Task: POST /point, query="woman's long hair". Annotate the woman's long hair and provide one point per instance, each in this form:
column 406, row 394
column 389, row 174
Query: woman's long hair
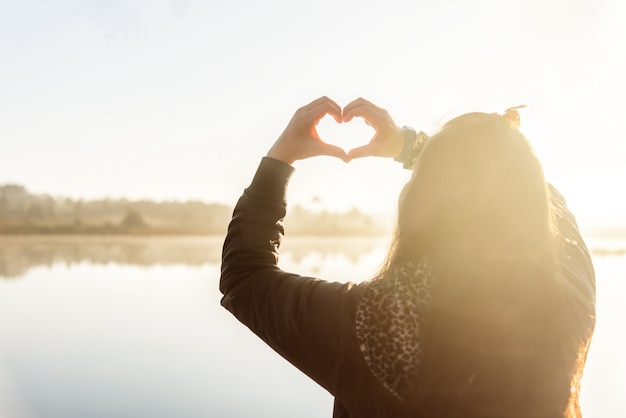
column 503, row 336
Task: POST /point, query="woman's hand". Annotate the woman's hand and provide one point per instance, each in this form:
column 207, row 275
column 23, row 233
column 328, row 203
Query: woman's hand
column 388, row 140
column 300, row 140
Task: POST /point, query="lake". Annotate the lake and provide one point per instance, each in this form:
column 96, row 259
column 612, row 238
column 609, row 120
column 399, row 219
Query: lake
column 132, row 327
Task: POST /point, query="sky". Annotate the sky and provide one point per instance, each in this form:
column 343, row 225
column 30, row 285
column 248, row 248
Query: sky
column 179, row 99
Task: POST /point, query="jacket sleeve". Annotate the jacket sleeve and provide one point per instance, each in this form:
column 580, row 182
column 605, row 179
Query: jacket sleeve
column 299, row 317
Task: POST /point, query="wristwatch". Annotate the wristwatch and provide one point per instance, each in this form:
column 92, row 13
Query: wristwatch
column 413, row 144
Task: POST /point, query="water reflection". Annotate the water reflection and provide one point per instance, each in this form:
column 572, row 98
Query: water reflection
column 134, row 328
column 18, row 254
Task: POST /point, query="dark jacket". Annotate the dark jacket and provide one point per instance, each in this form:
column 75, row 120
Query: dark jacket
column 311, row 322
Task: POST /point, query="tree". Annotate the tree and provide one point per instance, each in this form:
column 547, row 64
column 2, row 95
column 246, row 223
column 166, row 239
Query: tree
column 132, row 219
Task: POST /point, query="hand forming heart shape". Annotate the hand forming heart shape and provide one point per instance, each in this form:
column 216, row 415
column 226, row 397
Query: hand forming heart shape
column 301, row 139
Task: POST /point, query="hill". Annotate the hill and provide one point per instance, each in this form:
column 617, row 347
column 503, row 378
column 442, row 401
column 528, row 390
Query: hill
column 24, row 213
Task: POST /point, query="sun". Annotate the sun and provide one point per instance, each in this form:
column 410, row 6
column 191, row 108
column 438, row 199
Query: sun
column 581, row 167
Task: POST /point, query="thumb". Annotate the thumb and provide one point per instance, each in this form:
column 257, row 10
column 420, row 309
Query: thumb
column 362, row 151
column 333, row 151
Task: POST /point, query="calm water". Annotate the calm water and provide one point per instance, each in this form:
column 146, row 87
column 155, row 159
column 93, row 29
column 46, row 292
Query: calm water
column 133, row 328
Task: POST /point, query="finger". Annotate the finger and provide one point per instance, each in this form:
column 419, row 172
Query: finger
column 372, row 115
column 322, row 109
column 359, row 102
column 316, row 102
column 362, row 151
column 346, row 117
column 332, row 151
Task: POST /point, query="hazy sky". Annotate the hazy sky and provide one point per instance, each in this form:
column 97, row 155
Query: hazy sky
column 179, row 99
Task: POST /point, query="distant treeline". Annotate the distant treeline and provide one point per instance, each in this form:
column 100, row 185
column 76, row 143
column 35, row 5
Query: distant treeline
column 25, row 213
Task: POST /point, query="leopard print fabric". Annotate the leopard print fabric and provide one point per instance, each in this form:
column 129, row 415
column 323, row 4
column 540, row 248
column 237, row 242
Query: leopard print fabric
column 388, row 324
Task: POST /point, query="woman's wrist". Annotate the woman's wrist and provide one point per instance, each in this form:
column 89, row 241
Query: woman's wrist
column 397, row 143
column 278, row 154
column 412, row 145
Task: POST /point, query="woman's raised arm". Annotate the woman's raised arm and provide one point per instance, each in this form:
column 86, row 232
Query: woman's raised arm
column 299, row 317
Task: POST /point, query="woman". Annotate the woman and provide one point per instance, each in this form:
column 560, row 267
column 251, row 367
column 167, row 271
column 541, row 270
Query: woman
column 485, row 306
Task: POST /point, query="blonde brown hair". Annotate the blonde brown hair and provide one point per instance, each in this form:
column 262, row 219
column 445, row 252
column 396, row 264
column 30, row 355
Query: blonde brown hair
column 504, row 335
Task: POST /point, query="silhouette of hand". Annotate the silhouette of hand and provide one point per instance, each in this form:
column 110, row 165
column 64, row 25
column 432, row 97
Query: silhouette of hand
column 300, row 139
column 388, row 139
